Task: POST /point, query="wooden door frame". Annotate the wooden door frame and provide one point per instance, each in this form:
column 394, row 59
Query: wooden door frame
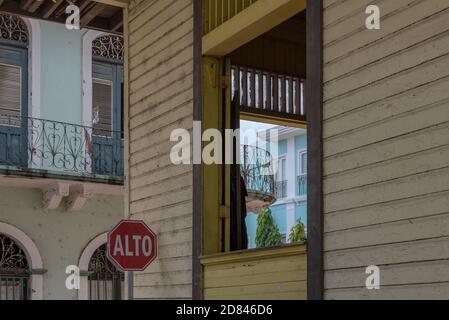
column 314, row 103
column 197, row 220
column 314, row 111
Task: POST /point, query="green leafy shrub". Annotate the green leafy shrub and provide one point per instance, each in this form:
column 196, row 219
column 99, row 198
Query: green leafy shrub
column 298, row 233
column 267, row 232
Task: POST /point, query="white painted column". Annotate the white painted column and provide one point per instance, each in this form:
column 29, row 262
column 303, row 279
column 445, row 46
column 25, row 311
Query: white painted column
column 291, row 184
column 291, row 164
column 88, row 37
column 87, row 89
column 34, row 86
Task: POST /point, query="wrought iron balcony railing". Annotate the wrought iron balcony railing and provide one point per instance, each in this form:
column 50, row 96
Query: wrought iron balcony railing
column 301, row 185
column 256, row 170
column 30, row 143
column 257, row 173
column 281, row 189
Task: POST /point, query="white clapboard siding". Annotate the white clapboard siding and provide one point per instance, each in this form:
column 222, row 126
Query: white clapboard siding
column 386, row 149
column 161, row 100
column 400, row 40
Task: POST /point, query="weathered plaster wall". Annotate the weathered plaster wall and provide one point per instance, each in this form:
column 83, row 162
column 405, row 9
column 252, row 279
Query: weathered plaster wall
column 59, row 235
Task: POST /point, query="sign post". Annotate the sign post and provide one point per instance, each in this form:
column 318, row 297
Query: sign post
column 132, row 245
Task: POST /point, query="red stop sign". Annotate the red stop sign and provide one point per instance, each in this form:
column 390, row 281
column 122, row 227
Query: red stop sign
column 132, row 246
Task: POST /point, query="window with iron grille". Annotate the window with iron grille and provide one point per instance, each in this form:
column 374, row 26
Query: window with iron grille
column 106, row 282
column 14, row 270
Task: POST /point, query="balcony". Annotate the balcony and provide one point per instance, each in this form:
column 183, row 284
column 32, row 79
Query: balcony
column 256, row 170
column 301, row 185
column 38, row 147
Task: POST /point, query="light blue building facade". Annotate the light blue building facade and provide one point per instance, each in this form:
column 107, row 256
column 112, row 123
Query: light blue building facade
column 61, row 158
column 291, row 184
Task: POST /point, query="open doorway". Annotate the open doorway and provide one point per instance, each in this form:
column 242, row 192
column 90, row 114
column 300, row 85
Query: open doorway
column 267, row 90
column 264, row 82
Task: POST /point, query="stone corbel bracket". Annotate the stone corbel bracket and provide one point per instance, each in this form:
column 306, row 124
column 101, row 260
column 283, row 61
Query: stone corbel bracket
column 78, row 196
column 53, row 194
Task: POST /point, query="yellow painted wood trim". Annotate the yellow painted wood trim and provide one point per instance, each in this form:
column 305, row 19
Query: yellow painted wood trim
column 254, row 254
column 280, row 121
column 250, row 23
column 117, row 3
column 211, row 174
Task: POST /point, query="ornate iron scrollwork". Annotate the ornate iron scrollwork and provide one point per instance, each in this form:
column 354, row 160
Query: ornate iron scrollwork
column 62, row 147
column 13, row 28
column 100, row 264
column 58, row 145
column 256, row 169
column 109, row 47
column 105, row 280
column 12, row 258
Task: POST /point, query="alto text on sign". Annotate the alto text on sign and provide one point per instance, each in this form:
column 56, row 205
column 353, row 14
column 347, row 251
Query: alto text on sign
column 132, row 245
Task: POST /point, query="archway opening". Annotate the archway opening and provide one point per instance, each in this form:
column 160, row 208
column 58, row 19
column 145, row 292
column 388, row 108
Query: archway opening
column 14, row 270
column 105, row 281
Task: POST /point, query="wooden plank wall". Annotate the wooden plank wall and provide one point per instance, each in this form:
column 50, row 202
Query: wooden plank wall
column 161, row 100
column 215, row 13
column 265, row 274
column 386, row 149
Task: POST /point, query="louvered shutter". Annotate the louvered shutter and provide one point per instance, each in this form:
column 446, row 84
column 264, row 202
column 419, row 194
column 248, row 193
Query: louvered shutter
column 102, row 108
column 10, row 95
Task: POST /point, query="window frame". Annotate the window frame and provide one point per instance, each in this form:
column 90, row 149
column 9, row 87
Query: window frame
column 280, row 158
column 300, row 171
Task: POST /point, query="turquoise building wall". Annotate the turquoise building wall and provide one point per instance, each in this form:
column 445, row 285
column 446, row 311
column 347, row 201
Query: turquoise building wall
column 301, row 142
column 279, row 211
column 61, row 73
column 301, row 212
column 282, row 147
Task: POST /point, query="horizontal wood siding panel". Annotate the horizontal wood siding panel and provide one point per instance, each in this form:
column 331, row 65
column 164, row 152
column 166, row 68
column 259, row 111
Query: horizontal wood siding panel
column 396, row 210
column 281, row 274
column 388, row 254
column 395, row 42
column 161, row 90
column 425, row 95
column 354, row 22
column 335, row 14
column 404, row 274
column 400, row 292
column 406, row 12
column 410, row 143
column 386, row 149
